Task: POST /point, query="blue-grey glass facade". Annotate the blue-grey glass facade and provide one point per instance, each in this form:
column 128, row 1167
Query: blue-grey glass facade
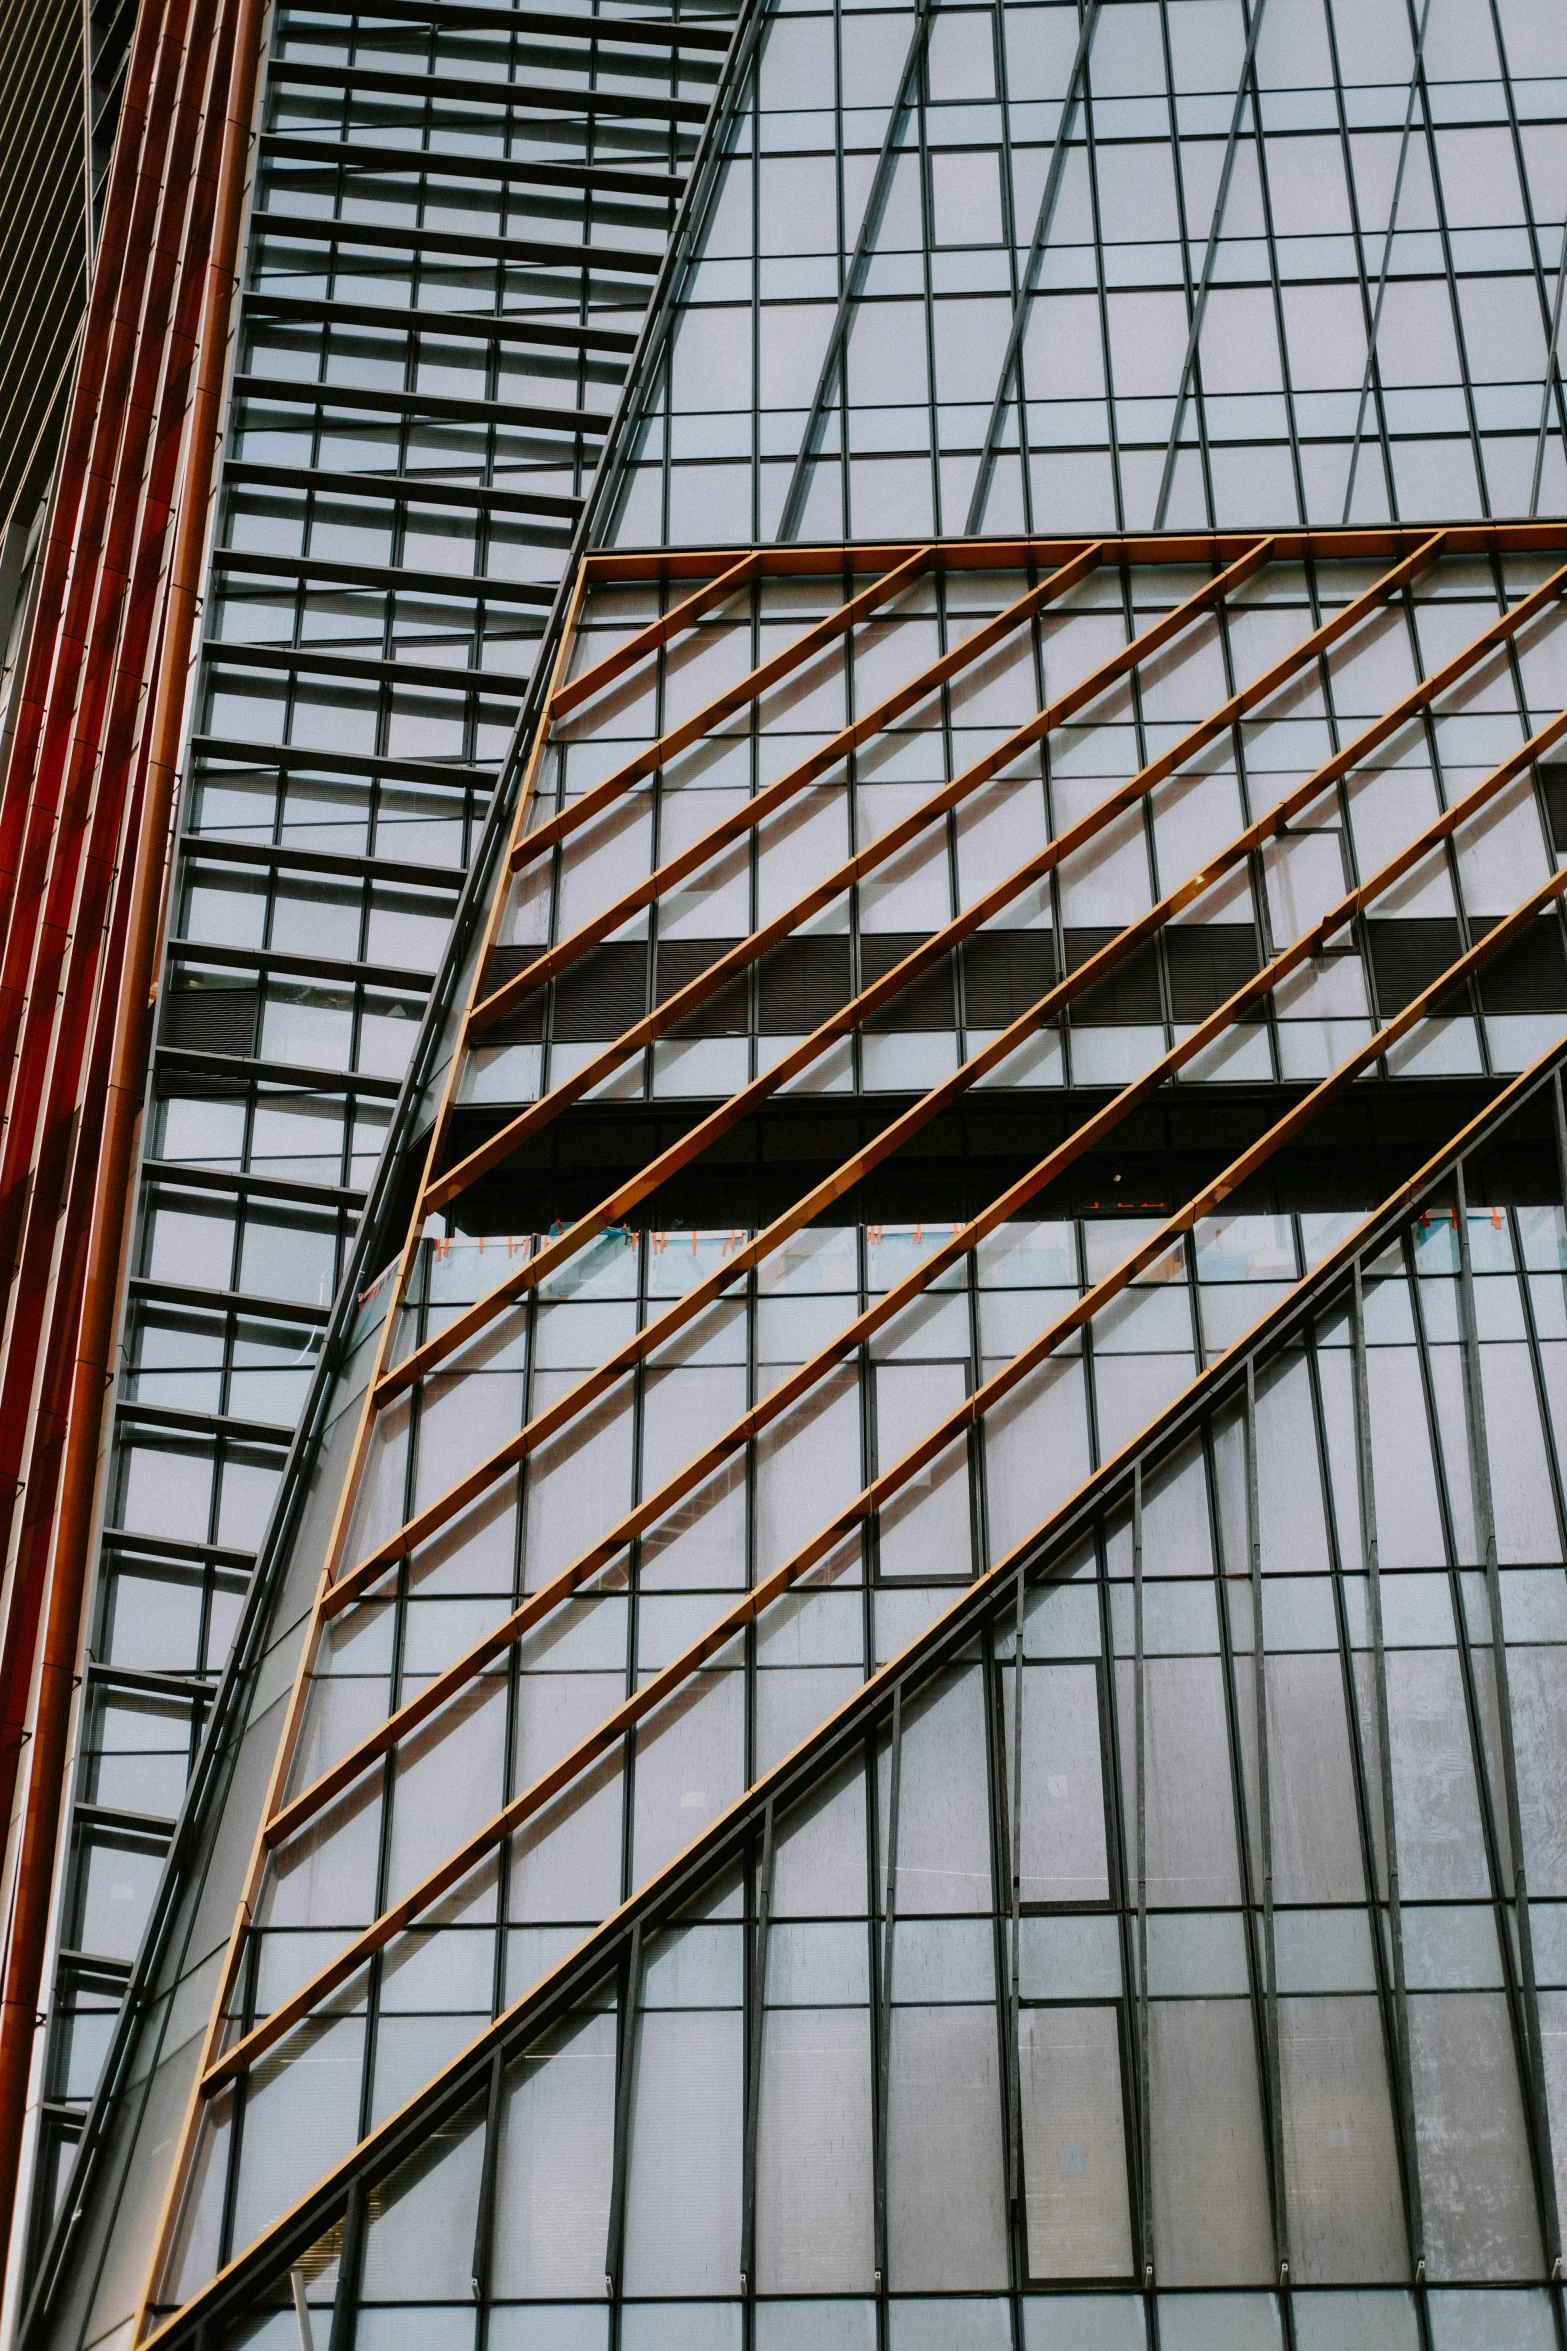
column 831, row 1601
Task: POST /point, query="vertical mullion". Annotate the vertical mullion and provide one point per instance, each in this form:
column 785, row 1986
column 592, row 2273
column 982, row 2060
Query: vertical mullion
column 1183, row 231
column 1014, row 1995
column 630, row 2001
column 1374, row 322
column 1140, row 1835
column 753, row 2087
column 1365, row 1476
column 1484, row 1793
column 1277, row 289
column 1190, row 367
column 1460, row 339
column 1112, row 433
column 1389, row 1994
column 1480, row 1471
column 1270, row 2009
column 484, row 2223
column 350, row 2262
column 1243, row 1843
column 889, row 1913
column 1537, row 1369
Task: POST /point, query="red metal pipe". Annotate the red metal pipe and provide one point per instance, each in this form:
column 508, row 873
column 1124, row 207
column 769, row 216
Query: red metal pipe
column 73, row 475
column 56, row 1018
column 102, row 1175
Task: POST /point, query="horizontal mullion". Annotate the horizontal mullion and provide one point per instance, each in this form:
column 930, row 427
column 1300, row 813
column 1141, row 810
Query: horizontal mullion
column 175, row 1421
column 466, row 244
column 318, row 861
column 466, row 16
column 149, row 1291
column 179, row 1549
column 510, row 97
column 479, row 324
column 391, row 577
column 572, row 423
column 385, row 162
column 243, row 1183
column 355, row 668
column 242, row 1067
column 458, row 777
column 197, row 1689
column 401, row 489
column 116, row 1821
column 284, row 962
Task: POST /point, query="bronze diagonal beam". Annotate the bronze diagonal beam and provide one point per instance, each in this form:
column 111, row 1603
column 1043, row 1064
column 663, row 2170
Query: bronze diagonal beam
column 244, row 2053
column 444, row 1507
column 757, row 810
column 744, row 1611
column 681, row 616
column 646, row 762
column 500, row 1145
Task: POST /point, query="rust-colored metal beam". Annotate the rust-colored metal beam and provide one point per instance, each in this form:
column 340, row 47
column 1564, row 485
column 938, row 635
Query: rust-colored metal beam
column 466, row 1325
column 647, row 640
column 445, row 1685
column 442, row 1508
column 799, row 1057
column 529, row 847
column 64, row 1459
column 1379, row 543
column 259, row 2263
column 766, row 803
column 244, row 2053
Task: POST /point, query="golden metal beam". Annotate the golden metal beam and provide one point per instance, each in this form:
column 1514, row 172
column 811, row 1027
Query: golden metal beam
column 764, row 804
column 442, row 1508
column 244, row 2053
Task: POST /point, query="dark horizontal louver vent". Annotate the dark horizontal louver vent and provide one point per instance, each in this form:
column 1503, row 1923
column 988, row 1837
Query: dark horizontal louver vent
column 524, row 1024
column 926, row 1003
column 1408, row 956
column 1553, row 777
column 727, row 1012
column 1004, row 972
column 1529, row 974
column 212, row 1020
column 1128, row 995
column 1207, row 963
column 603, row 993
column 801, row 983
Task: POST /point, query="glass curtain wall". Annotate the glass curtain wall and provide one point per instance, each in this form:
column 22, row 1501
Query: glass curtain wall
column 1149, row 262
column 1110, row 1989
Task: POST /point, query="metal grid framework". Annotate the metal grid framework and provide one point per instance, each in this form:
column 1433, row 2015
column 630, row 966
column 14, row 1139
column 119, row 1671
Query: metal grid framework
column 387, row 492
column 1088, row 1586
column 416, row 1325
column 1109, row 268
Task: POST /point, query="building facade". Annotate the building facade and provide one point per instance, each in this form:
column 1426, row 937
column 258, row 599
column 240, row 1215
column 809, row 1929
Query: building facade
column 808, row 1492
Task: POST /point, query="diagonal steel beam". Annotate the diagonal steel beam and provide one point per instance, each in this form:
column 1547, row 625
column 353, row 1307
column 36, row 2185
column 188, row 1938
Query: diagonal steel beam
column 409, row 2129
column 648, row 640
column 767, row 802
column 1210, row 259
column 886, row 845
column 443, row 1507
column 1029, row 283
column 792, row 656
column 793, row 512
column 651, row 1694
column 627, row 1197
column 444, row 1686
